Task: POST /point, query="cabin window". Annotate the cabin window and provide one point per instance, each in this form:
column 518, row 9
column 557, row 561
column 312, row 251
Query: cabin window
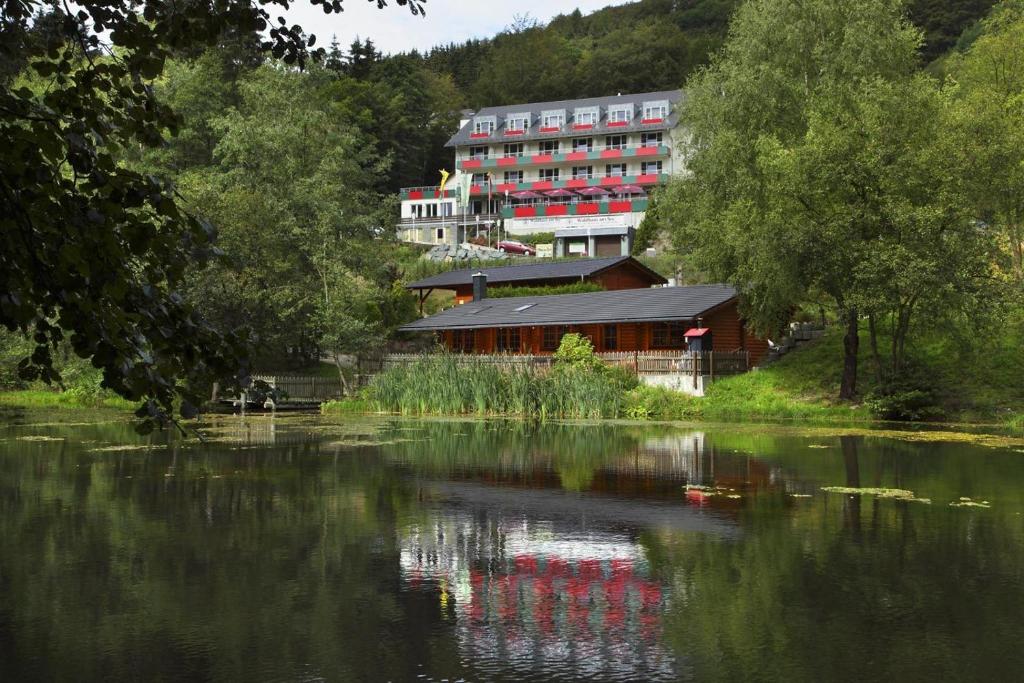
column 462, row 340
column 508, row 339
column 611, row 337
column 668, row 335
column 551, row 338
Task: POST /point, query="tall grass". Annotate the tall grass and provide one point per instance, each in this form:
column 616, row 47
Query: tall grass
column 446, row 385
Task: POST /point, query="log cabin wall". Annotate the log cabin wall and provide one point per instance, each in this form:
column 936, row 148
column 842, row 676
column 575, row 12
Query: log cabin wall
column 623, row 277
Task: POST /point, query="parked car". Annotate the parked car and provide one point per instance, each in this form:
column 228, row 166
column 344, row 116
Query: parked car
column 513, row 247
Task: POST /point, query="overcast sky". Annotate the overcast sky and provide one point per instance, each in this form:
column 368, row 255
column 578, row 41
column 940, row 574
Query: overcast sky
column 394, row 29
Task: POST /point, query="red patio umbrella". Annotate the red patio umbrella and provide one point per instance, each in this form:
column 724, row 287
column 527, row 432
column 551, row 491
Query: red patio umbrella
column 630, row 189
column 592, row 191
column 526, row 194
column 559, row 193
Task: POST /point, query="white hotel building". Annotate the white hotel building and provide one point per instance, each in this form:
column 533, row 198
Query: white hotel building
column 581, row 169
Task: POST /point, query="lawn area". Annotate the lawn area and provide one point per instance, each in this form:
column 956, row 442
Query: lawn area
column 48, row 398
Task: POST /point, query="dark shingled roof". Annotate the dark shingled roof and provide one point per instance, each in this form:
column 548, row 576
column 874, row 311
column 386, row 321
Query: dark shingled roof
column 673, row 96
column 573, row 269
column 623, row 305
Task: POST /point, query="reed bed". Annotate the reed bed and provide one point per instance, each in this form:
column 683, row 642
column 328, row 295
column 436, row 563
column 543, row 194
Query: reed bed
column 444, row 385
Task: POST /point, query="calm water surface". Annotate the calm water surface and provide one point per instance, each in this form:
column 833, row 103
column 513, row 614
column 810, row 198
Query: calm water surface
column 295, row 548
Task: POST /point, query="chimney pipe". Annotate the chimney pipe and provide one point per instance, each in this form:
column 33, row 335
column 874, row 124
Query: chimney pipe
column 479, row 286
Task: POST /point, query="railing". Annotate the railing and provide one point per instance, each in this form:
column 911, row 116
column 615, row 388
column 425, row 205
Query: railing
column 713, row 363
column 303, row 388
column 469, row 220
column 526, row 154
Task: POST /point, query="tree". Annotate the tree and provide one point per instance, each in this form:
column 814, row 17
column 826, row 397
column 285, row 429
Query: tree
column 94, row 250
column 988, row 118
column 820, row 163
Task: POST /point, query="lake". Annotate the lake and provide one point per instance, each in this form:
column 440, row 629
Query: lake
column 300, row 548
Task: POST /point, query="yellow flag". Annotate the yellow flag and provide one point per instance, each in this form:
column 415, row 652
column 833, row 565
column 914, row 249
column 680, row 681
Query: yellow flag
column 444, row 181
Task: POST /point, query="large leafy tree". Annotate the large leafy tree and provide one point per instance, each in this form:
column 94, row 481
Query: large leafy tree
column 821, row 164
column 94, row 251
column 990, row 117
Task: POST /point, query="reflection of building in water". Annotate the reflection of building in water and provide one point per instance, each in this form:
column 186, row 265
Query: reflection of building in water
column 542, row 598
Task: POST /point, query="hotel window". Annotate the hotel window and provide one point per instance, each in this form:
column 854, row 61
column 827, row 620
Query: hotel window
column 440, row 234
column 650, row 167
column 611, row 337
column 446, row 208
column 508, row 339
column 668, row 335
column 583, row 144
column 548, row 174
column 462, row 340
column 513, row 176
column 518, row 122
column 484, row 126
column 553, row 119
column 585, row 117
column 479, row 152
column 650, row 139
column 513, row 149
column 620, row 114
column 582, row 172
column 615, row 170
column 550, row 146
column 615, row 142
column 655, row 110
column 551, row 338
column 479, row 178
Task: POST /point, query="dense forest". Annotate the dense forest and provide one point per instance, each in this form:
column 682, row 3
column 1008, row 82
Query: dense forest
column 291, row 156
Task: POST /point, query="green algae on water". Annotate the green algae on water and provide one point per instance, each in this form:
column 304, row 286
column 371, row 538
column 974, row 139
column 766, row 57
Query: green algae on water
column 895, row 494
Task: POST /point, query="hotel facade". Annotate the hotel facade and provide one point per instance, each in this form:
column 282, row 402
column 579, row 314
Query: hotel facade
column 581, row 169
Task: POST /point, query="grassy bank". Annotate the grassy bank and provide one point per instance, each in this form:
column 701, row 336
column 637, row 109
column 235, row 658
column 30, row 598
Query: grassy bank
column 955, row 383
column 44, row 398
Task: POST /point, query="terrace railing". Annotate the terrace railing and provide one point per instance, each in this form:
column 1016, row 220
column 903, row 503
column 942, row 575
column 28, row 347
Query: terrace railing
column 713, row 363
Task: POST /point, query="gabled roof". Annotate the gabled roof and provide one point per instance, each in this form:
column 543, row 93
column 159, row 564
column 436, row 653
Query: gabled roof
column 674, row 98
column 573, row 269
column 623, row 305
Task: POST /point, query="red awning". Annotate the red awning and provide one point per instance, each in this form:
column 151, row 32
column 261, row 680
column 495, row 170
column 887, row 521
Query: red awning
column 697, row 332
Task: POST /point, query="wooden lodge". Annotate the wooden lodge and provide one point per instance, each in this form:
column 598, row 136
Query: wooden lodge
column 620, row 272
column 667, row 319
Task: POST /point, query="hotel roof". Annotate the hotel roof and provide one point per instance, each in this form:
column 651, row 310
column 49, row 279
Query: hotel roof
column 573, row 269
column 674, row 97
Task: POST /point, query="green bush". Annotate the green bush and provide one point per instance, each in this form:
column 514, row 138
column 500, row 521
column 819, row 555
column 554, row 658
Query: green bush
column 907, row 405
column 574, row 288
column 645, row 402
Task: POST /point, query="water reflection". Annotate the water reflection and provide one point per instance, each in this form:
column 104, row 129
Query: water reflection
column 297, row 548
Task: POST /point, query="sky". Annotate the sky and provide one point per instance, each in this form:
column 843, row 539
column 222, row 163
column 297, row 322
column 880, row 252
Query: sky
column 394, row 29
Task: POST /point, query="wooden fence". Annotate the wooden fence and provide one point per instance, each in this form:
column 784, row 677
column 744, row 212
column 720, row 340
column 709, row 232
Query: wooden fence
column 640, row 362
column 303, row 388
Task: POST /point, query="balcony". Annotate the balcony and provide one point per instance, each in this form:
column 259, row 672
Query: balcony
column 579, row 207
column 538, row 184
column 598, row 153
column 426, row 192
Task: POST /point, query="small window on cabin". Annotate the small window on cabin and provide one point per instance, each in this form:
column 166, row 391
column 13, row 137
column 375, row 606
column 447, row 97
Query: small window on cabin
column 552, row 337
column 463, row 340
column 611, row 337
column 508, row 339
column 522, row 308
column 668, row 335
